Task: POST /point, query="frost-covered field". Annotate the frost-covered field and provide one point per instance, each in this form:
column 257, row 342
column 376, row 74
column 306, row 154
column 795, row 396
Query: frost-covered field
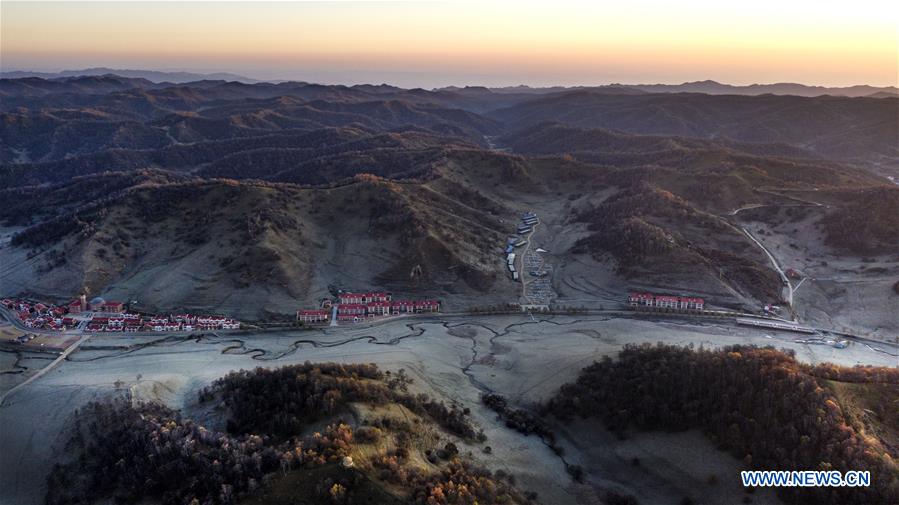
column 456, row 358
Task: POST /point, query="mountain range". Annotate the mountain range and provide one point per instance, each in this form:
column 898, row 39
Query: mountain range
column 256, row 198
column 709, row 87
column 150, row 75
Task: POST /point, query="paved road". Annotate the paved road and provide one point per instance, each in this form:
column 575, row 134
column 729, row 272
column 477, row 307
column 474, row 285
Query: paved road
column 783, row 276
column 59, row 359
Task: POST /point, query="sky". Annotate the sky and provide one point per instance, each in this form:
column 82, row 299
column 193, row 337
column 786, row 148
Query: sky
column 439, row 43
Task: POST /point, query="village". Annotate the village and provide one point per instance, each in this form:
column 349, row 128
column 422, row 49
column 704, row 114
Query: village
column 350, row 307
column 99, row 315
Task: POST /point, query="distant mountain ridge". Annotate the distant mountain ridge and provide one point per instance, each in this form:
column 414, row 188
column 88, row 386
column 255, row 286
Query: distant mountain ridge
column 782, row 88
column 710, row 87
column 150, row 75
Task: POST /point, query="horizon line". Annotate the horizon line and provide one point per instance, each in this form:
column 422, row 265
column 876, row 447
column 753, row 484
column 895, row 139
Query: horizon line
column 209, row 72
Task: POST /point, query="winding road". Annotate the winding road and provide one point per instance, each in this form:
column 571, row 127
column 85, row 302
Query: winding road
column 783, row 276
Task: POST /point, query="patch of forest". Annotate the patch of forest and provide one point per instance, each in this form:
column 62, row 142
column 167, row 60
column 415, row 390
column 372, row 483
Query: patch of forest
column 284, row 443
column 759, row 404
column 280, row 402
column 866, row 222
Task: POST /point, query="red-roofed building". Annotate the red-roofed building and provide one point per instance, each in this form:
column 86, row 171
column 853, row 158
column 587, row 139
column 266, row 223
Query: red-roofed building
column 427, row 306
column 353, row 298
column 636, row 299
column 313, row 316
column 378, row 308
column 352, row 309
column 402, row 306
column 112, row 307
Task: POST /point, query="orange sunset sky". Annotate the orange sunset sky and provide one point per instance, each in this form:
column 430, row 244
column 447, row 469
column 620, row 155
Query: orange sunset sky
column 459, row 42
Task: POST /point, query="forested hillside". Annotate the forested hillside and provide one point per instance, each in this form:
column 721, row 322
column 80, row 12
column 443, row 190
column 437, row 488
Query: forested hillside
column 373, row 440
column 761, row 405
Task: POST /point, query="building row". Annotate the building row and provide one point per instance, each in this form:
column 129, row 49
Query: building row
column 128, row 322
column 109, row 316
column 377, row 304
column 665, row 301
column 357, row 298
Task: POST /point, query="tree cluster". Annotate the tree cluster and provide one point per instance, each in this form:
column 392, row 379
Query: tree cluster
column 459, row 482
column 760, row 404
column 281, row 402
column 150, row 451
column 519, row 420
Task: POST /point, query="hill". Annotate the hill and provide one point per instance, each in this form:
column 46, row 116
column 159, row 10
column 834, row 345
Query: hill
column 52, row 144
column 596, row 144
column 253, row 248
column 865, row 221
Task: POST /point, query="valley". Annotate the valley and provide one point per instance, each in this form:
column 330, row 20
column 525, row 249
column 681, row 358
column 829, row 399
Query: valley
column 636, row 216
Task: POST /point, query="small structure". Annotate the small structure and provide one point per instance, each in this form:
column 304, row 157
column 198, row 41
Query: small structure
column 97, row 303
